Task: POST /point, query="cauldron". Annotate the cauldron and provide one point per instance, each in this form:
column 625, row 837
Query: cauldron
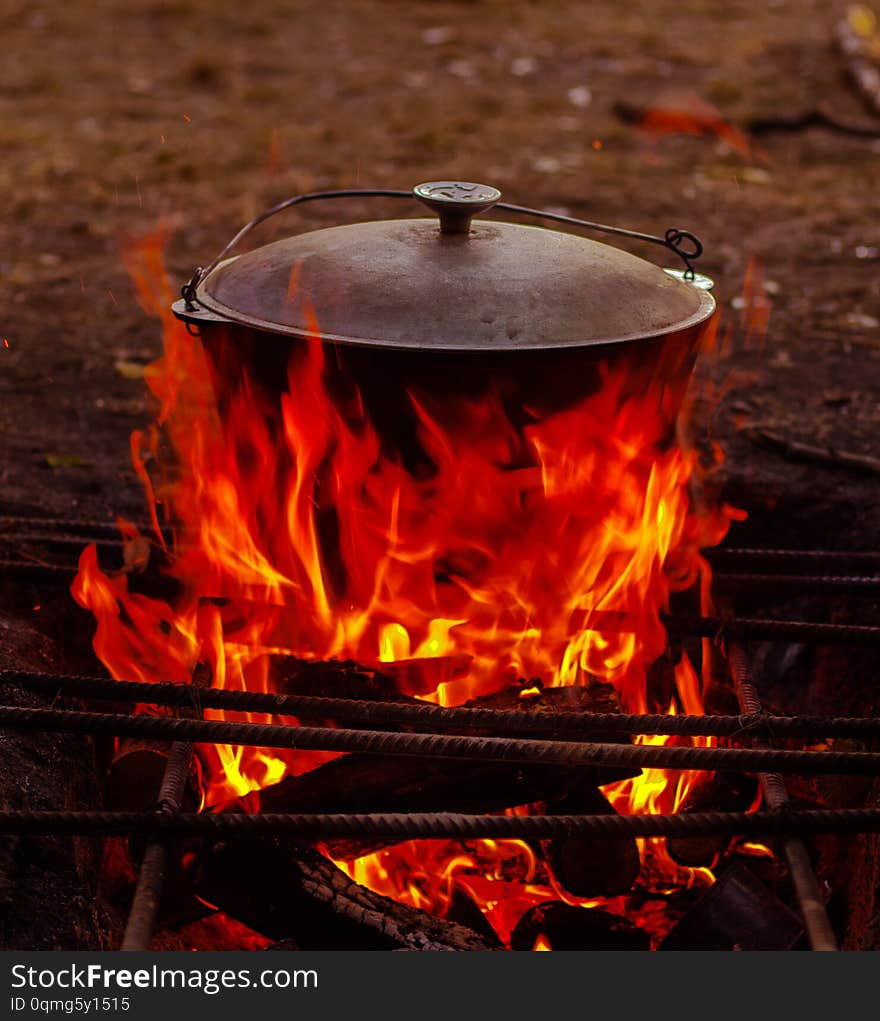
column 456, row 307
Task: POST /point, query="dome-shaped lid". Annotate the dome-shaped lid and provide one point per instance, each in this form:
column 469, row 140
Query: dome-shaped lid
column 456, row 285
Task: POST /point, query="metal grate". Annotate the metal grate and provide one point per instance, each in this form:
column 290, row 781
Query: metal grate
column 41, row 548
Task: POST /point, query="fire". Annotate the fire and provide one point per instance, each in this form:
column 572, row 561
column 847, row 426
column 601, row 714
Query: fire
column 545, row 551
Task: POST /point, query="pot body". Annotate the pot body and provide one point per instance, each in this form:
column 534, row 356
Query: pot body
column 387, row 386
column 413, row 315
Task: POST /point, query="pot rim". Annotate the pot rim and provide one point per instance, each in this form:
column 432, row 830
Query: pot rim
column 211, row 311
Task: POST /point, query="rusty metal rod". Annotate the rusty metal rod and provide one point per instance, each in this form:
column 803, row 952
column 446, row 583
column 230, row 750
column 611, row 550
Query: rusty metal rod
column 527, row 751
column 62, row 539
column 809, row 895
column 850, row 584
column 800, row 631
column 37, row 570
column 151, row 877
column 413, row 826
column 791, row 557
column 91, row 527
column 426, row 715
column 72, row 531
column 679, row 625
column 722, row 581
column 72, row 525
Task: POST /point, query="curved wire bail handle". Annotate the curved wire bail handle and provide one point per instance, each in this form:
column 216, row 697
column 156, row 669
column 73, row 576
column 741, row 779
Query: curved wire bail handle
column 686, row 245
column 188, row 291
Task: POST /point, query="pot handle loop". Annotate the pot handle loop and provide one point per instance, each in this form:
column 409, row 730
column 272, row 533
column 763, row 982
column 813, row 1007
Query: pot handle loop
column 686, row 245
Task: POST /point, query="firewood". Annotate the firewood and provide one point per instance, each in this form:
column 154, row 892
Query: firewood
column 333, row 679
column 297, row 894
column 717, row 792
column 738, row 912
column 565, row 927
column 422, row 676
column 462, row 909
column 133, row 777
column 370, row 783
column 596, row 866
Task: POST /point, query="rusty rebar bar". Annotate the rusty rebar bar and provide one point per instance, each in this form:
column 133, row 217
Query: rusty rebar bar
column 151, row 876
column 809, row 895
column 90, row 528
column 61, row 539
column 679, row 625
column 790, row 558
column 416, row 825
column 527, row 751
column 426, row 715
column 70, row 525
column 39, row 570
column 849, row 584
column 771, row 630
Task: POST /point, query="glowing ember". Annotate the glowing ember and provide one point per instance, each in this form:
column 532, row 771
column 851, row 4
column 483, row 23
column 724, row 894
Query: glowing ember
column 296, row 531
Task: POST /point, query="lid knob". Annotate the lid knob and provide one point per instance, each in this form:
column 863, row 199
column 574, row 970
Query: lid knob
column 456, row 202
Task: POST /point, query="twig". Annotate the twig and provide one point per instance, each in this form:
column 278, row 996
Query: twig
column 821, row 116
column 795, row 450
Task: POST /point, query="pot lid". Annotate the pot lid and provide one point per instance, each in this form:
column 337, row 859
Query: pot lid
column 459, row 284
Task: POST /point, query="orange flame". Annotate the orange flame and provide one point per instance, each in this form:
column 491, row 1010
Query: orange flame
column 506, row 561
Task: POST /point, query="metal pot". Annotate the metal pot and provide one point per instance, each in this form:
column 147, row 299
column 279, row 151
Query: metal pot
column 454, row 307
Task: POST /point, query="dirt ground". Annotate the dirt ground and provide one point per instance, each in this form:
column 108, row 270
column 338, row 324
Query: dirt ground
column 118, row 115
column 115, row 115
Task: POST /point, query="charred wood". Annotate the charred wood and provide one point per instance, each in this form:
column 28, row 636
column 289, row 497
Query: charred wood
column 591, row 866
column 565, row 927
column 737, row 913
column 719, row 792
column 370, row 783
column 297, row 894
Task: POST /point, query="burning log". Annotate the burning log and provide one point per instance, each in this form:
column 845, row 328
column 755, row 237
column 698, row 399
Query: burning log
column 718, row 792
column 463, row 910
column 422, row 676
column 565, row 927
column 134, row 774
column 591, row 866
column 361, row 783
column 335, row 678
column 737, row 913
column 299, row 895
